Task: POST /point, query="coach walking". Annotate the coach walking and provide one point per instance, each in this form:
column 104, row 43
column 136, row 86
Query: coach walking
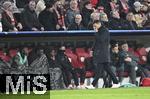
column 101, row 54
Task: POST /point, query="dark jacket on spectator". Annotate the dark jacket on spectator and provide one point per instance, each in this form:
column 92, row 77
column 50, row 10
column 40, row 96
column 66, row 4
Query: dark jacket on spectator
column 131, row 25
column 75, row 26
column 48, row 20
column 64, row 61
column 114, row 59
column 86, row 16
column 117, row 24
column 29, row 19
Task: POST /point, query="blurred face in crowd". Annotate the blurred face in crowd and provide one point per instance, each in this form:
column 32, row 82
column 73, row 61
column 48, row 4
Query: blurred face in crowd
column 40, row 52
column 89, row 6
column 32, row 5
column 96, row 26
column 125, row 47
column 103, row 17
column 115, row 1
column 95, row 16
column 74, row 5
column 115, row 48
column 8, row 6
column 78, row 19
column 115, row 14
column 53, row 53
column 130, row 17
column 24, row 51
column 58, row 5
column 144, row 8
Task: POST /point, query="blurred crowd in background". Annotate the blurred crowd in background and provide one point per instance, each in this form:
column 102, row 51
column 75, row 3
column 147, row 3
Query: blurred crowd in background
column 52, row 15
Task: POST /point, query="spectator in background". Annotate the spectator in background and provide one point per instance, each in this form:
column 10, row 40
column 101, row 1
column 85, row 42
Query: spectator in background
column 87, row 10
column 116, row 23
column 5, row 61
column 40, row 6
column 124, row 8
column 104, row 19
column 67, row 69
column 131, row 21
column 114, row 5
column 38, row 63
column 129, row 61
column 94, row 16
column 56, row 77
column 48, row 18
column 29, row 17
column 60, row 15
column 21, row 3
column 147, row 22
column 71, row 12
column 9, row 23
column 77, row 25
column 20, row 62
column 117, row 69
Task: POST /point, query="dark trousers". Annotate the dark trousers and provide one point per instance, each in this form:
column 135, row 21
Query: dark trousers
column 100, row 68
column 82, row 73
column 68, row 74
column 132, row 72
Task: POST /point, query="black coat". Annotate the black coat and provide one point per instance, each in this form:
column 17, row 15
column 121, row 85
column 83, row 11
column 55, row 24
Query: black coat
column 48, row 20
column 30, row 19
column 101, row 49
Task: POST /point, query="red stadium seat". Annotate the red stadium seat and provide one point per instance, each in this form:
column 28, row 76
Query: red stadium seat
column 89, row 74
column 146, row 82
column 13, row 52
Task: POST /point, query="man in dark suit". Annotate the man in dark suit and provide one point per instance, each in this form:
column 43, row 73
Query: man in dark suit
column 101, row 54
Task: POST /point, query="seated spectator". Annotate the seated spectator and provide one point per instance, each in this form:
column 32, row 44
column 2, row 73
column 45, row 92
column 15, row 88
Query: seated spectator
column 20, row 62
column 124, row 8
column 87, row 10
column 131, row 21
column 38, row 63
column 9, row 23
column 129, row 61
column 56, row 77
column 94, row 17
column 116, row 23
column 60, row 15
column 21, row 3
column 77, row 25
column 40, row 6
column 5, row 61
column 71, row 12
column 104, row 19
column 67, row 69
column 114, row 5
column 29, row 17
column 147, row 23
column 48, row 18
